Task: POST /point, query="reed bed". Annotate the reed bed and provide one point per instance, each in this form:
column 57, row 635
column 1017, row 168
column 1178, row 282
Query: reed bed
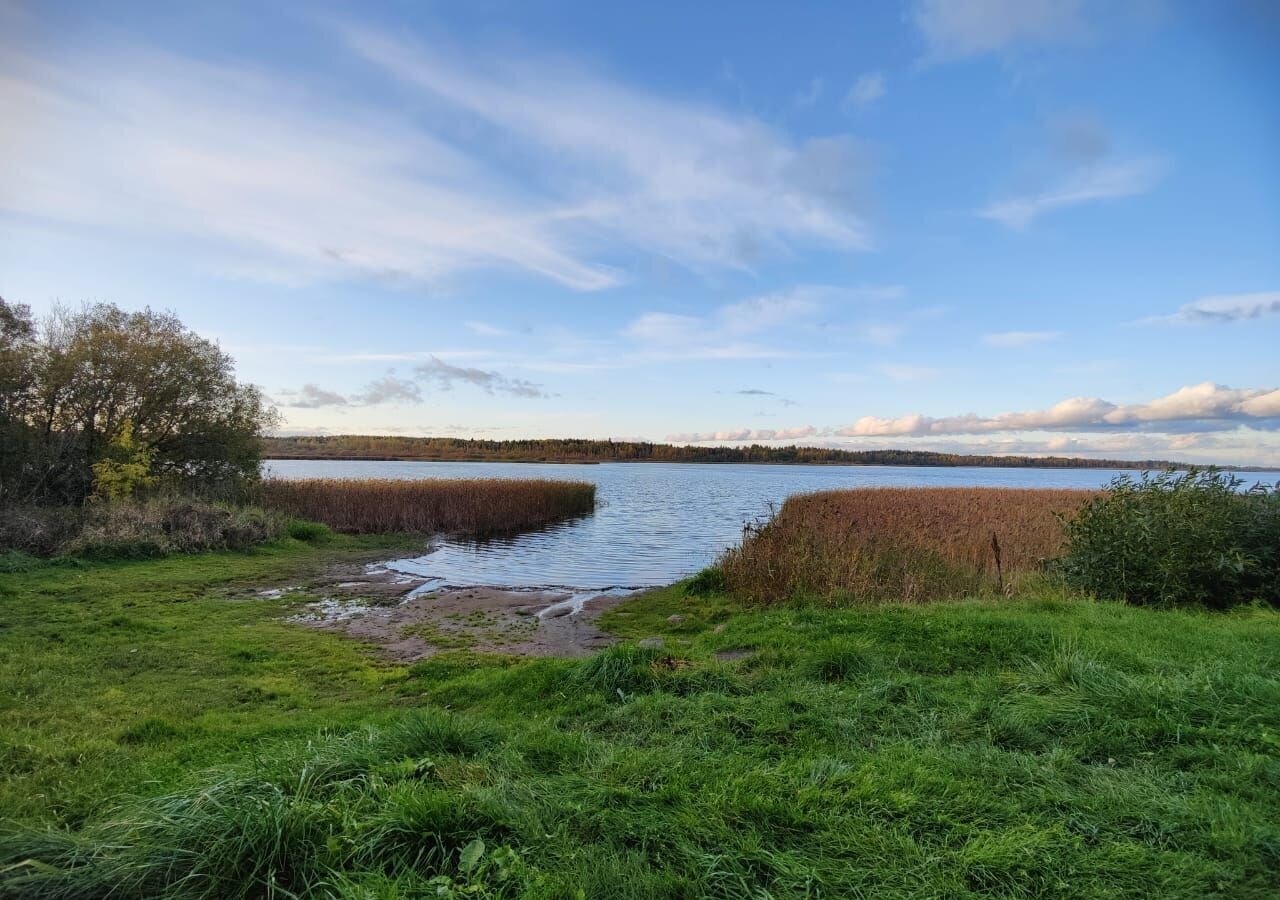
column 909, row 544
column 475, row 507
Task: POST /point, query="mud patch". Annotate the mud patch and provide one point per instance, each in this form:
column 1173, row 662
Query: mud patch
column 407, row 620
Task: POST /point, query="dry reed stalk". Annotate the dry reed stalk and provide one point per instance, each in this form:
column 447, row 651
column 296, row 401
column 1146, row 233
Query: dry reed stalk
column 475, row 507
column 899, row 543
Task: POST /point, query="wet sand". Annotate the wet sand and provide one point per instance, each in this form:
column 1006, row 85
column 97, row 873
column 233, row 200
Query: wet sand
column 389, row 610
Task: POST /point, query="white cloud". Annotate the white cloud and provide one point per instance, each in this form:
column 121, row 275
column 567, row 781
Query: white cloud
column 309, row 396
column 865, row 91
column 270, row 174
column 1224, row 308
column 1184, row 419
column 676, row 178
column 722, row 334
column 955, row 29
column 1201, row 407
column 1011, row 339
column 1104, row 181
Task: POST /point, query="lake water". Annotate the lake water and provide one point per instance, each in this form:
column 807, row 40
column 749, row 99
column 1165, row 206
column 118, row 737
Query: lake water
column 654, row 523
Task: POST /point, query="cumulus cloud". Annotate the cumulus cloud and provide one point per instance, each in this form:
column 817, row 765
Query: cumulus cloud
column 1200, row 407
column 865, row 91
column 956, row 29
column 1223, row 308
column 1009, row 339
column 409, row 188
column 1187, row 412
column 445, row 376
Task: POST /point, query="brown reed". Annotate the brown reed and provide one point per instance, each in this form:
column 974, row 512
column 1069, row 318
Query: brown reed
column 474, row 507
column 909, row 544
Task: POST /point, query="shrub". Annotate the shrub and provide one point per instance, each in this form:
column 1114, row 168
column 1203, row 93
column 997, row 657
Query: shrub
column 1171, row 538
column 136, row 530
column 311, row 532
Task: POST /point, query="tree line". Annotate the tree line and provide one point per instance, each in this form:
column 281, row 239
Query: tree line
column 583, row 450
column 97, row 399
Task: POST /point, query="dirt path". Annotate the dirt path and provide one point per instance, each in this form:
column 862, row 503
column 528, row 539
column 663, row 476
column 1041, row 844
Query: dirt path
column 379, row 606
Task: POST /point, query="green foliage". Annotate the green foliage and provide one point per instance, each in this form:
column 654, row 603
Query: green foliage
column 709, row 582
column 101, row 387
column 311, row 532
column 125, row 470
column 1176, row 538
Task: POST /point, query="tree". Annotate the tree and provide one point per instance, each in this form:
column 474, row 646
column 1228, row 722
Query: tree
column 86, row 376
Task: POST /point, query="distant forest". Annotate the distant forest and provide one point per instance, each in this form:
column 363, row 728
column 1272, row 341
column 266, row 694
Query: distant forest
column 382, row 447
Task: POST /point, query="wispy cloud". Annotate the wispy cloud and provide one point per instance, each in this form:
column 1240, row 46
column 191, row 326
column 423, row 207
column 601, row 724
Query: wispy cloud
column 1222, row 309
column 865, row 91
column 1010, row 339
column 484, row 329
column 444, row 375
column 1106, row 181
column 411, row 190
column 309, row 396
column 957, row 29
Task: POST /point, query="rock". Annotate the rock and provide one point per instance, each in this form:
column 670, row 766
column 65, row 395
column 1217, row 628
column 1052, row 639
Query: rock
column 676, row 619
column 651, row 642
column 718, row 629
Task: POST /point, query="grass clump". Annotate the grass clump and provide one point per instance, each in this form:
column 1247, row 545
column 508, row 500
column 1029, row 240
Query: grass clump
column 1178, row 538
column 910, row 544
column 476, row 507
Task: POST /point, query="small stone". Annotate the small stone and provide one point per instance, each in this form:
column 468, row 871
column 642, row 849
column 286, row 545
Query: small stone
column 651, row 643
column 718, row 629
column 675, row 619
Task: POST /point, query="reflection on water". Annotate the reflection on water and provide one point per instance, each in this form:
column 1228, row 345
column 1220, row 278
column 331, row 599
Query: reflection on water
column 655, row 523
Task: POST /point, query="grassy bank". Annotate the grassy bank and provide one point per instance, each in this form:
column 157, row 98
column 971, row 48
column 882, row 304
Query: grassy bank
column 907, row 544
column 471, row 506
column 1045, row 747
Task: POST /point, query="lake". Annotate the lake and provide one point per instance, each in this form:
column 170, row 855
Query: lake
column 654, row 523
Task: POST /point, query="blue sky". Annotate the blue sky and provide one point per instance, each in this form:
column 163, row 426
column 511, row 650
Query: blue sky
column 994, row 226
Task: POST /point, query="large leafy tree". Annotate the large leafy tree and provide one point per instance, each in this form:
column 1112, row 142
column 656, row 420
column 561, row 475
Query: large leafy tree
column 77, row 382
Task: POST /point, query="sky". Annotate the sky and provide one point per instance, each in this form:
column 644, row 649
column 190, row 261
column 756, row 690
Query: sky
column 987, row 226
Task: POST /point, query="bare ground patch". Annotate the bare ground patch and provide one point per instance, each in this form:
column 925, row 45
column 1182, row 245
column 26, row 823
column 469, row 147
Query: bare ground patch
column 378, row 606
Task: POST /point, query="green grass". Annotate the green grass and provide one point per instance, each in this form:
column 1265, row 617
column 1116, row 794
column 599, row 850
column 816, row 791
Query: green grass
column 1043, row 747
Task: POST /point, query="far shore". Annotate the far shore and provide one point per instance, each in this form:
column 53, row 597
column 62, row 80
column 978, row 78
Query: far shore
column 995, row 463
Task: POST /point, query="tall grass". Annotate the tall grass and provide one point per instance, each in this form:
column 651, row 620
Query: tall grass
column 908, row 544
column 473, row 506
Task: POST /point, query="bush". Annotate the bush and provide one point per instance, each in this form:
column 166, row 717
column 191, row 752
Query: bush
column 302, row 530
column 1178, row 538
column 136, row 530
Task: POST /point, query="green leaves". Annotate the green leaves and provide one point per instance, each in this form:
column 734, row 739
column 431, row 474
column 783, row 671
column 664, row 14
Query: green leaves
column 1178, row 538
